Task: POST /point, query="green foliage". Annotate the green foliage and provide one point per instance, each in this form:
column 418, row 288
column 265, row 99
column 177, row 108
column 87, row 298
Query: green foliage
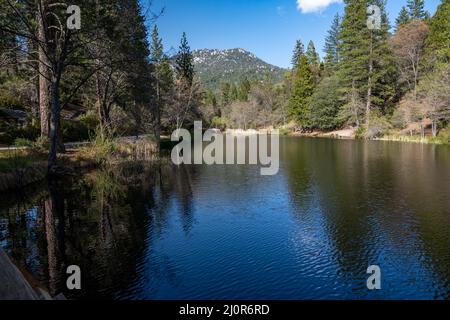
column 41, row 145
column 299, row 51
column 439, row 38
column 163, row 71
column 74, row 131
column 244, row 89
column 225, row 93
column 324, row 105
column 7, row 101
column 219, row 123
column 156, row 47
column 332, row 56
column 21, row 142
column 213, row 67
column 102, row 147
column 184, row 61
column 312, row 55
column 360, row 132
column 403, row 18
column 303, row 88
column 9, row 133
column 444, row 136
column 416, row 10
column 13, row 160
column 379, row 126
column 362, row 48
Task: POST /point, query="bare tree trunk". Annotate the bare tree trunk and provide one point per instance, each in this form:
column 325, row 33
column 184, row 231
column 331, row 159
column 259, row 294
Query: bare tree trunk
column 415, row 81
column 44, row 75
column 434, row 128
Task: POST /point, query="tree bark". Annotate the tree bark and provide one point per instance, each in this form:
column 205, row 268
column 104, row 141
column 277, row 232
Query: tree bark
column 54, row 124
column 44, row 74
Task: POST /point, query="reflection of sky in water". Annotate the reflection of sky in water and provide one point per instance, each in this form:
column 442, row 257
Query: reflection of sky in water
column 226, row 232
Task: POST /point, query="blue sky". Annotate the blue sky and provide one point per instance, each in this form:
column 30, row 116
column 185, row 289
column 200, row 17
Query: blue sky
column 268, row 28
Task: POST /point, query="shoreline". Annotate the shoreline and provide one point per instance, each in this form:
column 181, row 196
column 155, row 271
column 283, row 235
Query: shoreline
column 349, row 134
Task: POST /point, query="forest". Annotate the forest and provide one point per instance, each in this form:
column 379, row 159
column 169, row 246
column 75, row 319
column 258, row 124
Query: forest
column 111, row 77
column 394, row 80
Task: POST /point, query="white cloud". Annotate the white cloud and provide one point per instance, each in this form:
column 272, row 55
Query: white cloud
column 307, row 6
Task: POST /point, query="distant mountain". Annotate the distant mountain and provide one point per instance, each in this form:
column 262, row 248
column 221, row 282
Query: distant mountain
column 215, row 66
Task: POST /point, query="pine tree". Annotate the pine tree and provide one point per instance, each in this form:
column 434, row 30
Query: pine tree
column 163, row 76
column 234, row 94
column 156, row 47
column 225, row 93
column 163, row 72
column 324, row 105
column 417, row 10
column 331, row 50
column 184, row 62
column 439, row 38
column 244, row 89
column 299, row 51
column 367, row 63
column 403, row 18
column 138, row 70
column 303, row 88
column 312, row 55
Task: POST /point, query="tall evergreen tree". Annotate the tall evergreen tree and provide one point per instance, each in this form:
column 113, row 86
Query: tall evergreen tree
column 403, row 18
column 163, row 76
column 299, row 51
column 244, row 89
column 184, row 61
column 156, row 46
column 139, row 75
column 439, row 38
column 234, row 93
column 312, row 55
column 225, row 93
column 163, row 72
column 303, row 88
column 417, row 10
column 324, row 105
column 367, row 64
column 331, row 49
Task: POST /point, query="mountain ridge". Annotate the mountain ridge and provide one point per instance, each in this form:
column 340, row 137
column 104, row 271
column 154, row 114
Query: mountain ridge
column 214, row 66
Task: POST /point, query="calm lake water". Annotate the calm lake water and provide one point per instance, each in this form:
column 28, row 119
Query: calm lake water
column 226, row 232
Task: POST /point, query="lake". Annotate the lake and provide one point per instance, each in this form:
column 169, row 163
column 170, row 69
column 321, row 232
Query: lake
column 145, row 231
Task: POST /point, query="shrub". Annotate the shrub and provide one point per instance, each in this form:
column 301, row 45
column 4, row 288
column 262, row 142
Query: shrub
column 443, row 137
column 101, row 149
column 21, row 142
column 219, row 123
column 360, row 132
column 379, row 126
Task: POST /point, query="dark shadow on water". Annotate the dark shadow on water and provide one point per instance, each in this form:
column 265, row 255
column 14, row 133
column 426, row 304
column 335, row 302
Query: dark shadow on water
column 158, row 231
